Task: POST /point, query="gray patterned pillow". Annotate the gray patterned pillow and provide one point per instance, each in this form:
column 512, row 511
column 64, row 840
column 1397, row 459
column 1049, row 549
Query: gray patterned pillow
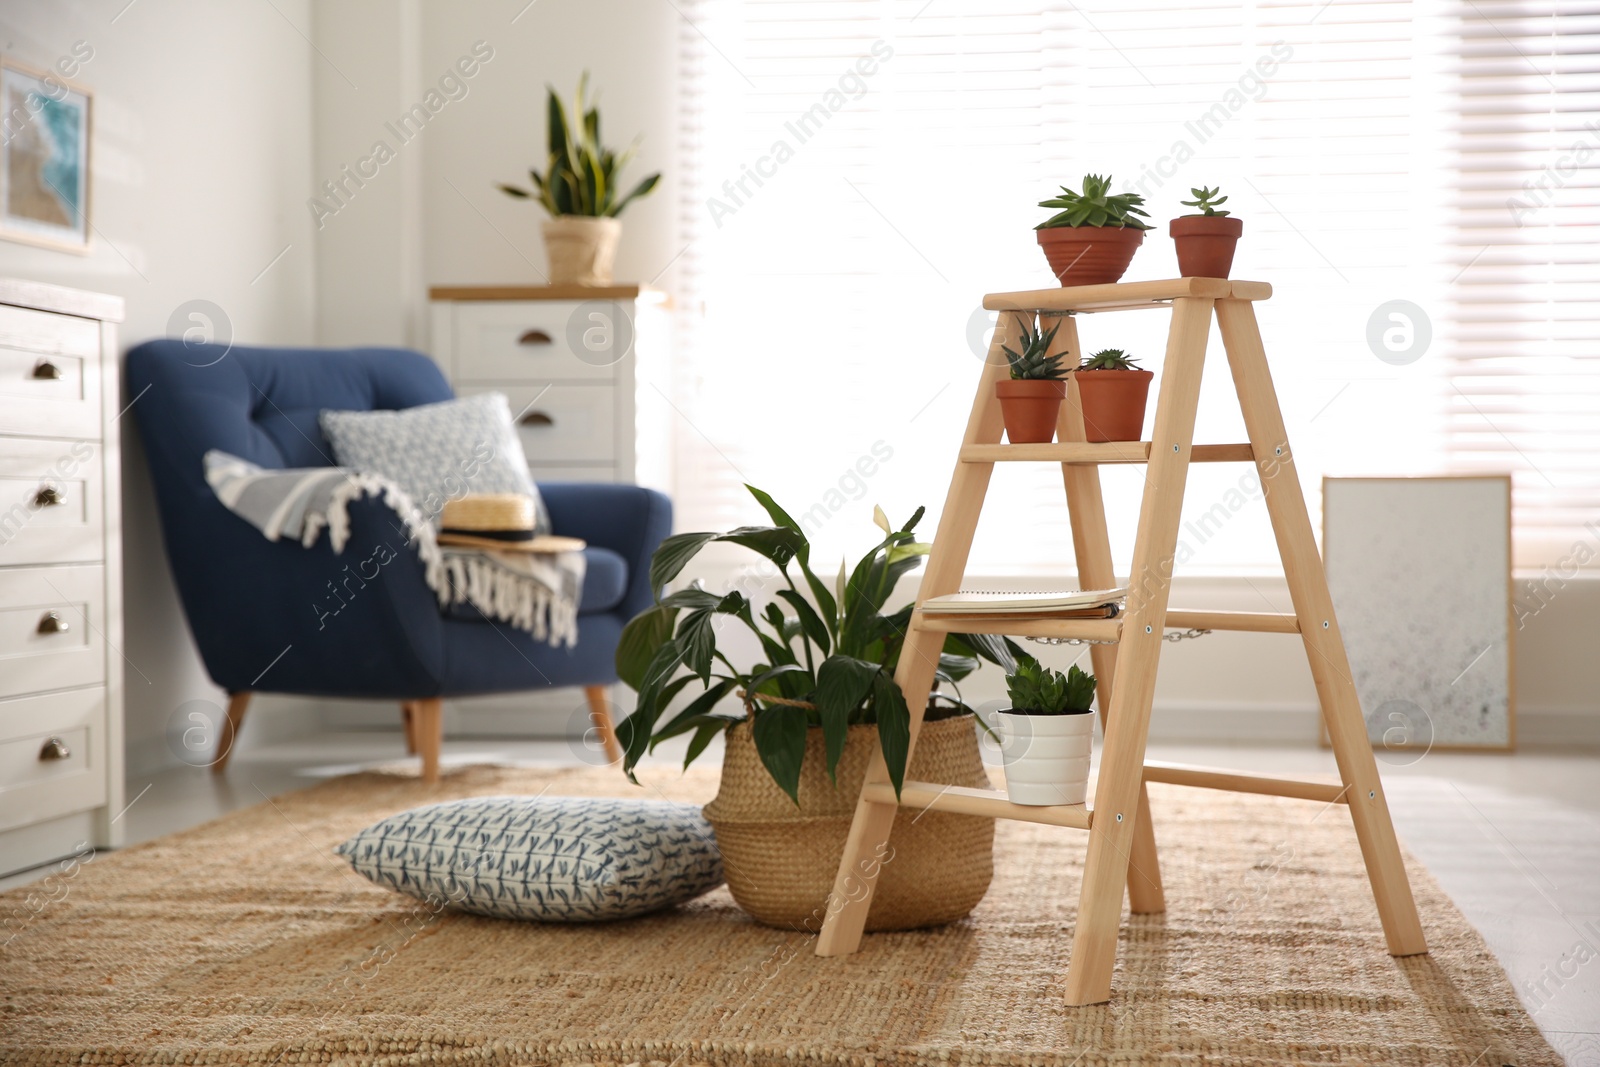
column 437, row 452
column 556, row 859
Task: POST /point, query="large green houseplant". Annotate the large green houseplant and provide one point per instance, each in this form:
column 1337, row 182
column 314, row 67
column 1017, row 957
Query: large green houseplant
column 581, row 189
column 805, row 717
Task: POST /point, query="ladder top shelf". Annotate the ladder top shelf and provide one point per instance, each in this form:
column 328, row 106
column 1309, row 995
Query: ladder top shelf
column 1125, row 295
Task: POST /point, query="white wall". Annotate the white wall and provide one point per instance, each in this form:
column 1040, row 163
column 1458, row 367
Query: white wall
column 200, row 166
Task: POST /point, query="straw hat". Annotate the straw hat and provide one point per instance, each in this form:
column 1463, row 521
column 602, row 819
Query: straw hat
column 501, row 521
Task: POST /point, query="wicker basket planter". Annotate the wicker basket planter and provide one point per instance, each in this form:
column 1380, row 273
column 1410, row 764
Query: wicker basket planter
column 781, row 859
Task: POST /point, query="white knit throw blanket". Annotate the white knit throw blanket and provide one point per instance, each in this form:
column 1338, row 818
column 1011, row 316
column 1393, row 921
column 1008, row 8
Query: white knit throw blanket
column 536, row 592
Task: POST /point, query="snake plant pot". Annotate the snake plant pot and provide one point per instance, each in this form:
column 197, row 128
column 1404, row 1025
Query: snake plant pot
column 1205, row 244
column 1089, row 255
column 1046, row 756
column 1029, row 407
column 581, row 249
column 1113, row 403
column 781, row 857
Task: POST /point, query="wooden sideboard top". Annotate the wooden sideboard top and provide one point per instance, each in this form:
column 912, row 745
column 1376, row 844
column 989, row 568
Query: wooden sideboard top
column 58, row 298
column 619, row 291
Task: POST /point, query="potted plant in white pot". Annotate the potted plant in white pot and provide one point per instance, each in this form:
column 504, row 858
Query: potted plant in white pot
column 801, row 723
column 1092, row 238
column 1047, row 736
column 579, row 188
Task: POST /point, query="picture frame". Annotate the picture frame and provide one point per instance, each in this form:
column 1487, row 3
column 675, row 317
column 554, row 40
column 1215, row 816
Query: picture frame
column 45, row 138
column 1419, row 569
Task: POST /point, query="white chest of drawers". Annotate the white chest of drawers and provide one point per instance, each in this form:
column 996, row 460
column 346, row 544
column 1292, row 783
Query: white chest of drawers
column 61, row 779
column 565, row 356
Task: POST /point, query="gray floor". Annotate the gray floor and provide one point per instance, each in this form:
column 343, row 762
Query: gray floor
column 1514, row 840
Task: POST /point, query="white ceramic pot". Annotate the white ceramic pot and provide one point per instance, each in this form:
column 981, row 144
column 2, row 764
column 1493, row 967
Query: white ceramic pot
column 1046, row 757
column 581, row 249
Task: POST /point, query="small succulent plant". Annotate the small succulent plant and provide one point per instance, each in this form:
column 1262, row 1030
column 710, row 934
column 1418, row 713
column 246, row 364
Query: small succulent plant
column 1109, row 359
column 1096, row 205
column 1038, row 690
column 1206, row 201
column 1034, row 362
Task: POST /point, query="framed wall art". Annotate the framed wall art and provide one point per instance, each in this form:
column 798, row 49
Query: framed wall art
column 44, row 159
column 1420, row 573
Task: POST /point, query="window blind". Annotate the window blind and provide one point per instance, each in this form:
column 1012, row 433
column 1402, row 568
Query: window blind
column 1522, row 332
column 858, row 173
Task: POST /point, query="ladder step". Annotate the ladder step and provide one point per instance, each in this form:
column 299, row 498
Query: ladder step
column 1106, row 452
column 1250, row 621
column 963, row 800
column 1125, row 295
column 1020, row 626
column 1244, row 782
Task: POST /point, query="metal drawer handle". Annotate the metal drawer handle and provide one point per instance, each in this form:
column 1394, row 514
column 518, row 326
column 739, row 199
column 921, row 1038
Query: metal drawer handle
column 54, row 749
column 536, row 418
column 44, row 370
column 51, row 623
column 49, row 497
column 534, row 337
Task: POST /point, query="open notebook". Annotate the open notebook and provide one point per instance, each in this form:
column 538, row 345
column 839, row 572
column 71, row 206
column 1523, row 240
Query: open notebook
column 1084, row 603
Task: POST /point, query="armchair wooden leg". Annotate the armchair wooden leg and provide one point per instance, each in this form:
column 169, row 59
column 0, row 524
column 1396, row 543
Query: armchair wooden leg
column 408, row 719
column 427, row 730
column 237, row 704
column 600, row 716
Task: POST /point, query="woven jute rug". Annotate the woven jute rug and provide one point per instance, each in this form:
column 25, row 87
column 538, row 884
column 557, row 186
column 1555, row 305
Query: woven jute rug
column 247, row 940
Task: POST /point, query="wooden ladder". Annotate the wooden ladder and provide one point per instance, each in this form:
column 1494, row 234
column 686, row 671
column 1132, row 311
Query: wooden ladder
column 1122, row 847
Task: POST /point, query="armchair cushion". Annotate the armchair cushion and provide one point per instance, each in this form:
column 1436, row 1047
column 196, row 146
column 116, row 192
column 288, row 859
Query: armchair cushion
column 436, row 452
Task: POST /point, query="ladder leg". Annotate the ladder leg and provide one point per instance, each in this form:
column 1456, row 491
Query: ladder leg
column 1091, row 544
column 1117, row 810
column 1330, row 668
column 864, row 849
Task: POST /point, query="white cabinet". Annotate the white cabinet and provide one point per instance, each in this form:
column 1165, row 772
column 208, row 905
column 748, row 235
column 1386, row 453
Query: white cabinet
column 567, row 359
column 60, row 574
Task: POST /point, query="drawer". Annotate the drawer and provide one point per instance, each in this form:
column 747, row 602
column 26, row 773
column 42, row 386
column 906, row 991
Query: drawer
column 538, row 341
column 549, row 472
column 34, row 788
column 49, row 374
column 52, row 496
column 564, row 422
column 70, row 650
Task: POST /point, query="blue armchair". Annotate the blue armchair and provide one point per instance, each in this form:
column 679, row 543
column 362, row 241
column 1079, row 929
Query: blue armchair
column 259, row 609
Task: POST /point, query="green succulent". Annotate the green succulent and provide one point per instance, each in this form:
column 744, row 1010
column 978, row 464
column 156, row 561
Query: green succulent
column 1206, row 201
column 1038, row 690
column 1109, row 359
column 1034, row 362
column 581, row 174
column 1095, row 206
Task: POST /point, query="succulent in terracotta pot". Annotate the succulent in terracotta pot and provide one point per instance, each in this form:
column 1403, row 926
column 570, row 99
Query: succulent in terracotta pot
column 1030, row 400
column 1207, row 238
column 1092, row 237
column 1112, row 392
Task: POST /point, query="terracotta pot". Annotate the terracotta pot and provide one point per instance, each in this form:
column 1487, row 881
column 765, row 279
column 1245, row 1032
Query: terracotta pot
column 781, row 859
column 1030, row 407
column 1113, row 403
column 581, row 249
column 1089, row 255
column 1205, row 244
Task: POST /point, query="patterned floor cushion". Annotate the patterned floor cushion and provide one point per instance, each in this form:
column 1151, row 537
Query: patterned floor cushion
column 555, row 859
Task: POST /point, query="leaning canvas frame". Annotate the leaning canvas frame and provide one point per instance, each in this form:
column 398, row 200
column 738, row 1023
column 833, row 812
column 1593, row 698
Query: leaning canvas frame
column 1420, row 573
column 71, row 231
